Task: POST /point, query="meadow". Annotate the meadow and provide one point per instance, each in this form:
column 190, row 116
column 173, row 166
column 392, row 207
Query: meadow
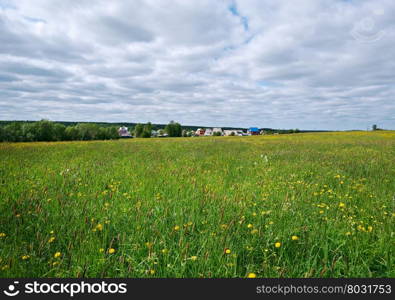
column 301, row 205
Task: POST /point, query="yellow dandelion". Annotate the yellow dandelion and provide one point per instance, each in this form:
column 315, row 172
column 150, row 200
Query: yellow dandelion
column 370, row 228
column 164, row 251
column 57, row 255
column 250, row 226
column 99, row 227
column 151, row 272
column 294, row 237
column 254, row 231
column 2, row 234
column 101, row 250
column 176, row 228
column 55, row 263
column 111, row 250
column 51, row 239
column 348, row 233
column 227, row 251
column 251, row 275
column 277, row 245
column 342, row 205
column 194, row 258
column 25, row 257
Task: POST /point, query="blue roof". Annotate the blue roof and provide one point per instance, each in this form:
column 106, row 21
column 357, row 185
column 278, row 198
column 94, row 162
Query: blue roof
column 254, row 129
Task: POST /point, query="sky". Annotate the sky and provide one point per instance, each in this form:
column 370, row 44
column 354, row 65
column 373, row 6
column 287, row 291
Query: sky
column 307, row 64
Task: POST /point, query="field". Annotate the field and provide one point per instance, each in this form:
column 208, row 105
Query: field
column 302, row 205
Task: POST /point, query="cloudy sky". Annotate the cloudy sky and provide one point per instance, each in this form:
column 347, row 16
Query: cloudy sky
column 307, row 64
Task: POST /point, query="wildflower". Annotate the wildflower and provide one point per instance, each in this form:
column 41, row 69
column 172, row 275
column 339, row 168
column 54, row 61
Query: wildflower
column 101, row 250
column 99, row 227
column 55, row 263
column 370, row 228
column 164, row 251
column 250, row 226
column 111, row 250
column 294, row 238
column 348, row 233
column 254, row 231
column 151, row 272
column 2, row 234
column 176, row 228
column 341, row 205
column 57, row 254
column 25, row 257
column 277, row 244
column 194, row 258
column 227, row 251
column 51, row 232
column 51, row 239
column 251, row 275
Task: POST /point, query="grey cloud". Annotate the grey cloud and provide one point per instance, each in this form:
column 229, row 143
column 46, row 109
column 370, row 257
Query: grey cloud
column 297, row 66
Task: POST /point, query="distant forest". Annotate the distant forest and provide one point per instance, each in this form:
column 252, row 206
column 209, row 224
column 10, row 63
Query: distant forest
column 45, row 130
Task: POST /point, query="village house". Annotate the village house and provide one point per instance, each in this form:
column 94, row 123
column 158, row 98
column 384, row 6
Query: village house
column 217, row 130
column 124, row 132
column 200, row 132
column 208, row 132
column 230, row 132
column 253, row 131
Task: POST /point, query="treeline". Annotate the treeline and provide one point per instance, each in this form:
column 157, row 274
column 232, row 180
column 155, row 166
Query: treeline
column 45, row 130
column 173, row 129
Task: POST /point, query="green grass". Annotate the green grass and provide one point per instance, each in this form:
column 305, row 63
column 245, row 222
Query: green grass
column 170, row 207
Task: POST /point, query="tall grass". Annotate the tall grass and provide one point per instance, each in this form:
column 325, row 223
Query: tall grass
column 306, row 205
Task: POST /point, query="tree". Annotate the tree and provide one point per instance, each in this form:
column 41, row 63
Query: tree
column 138, row 130
column 29, row 132
column 87, row 131
column 147, row 130
column 59, row 132
column 173, row 129
column 374, row 127
column 45, row 130
column 1, row 134
column 71, row 133
column 13, row 132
